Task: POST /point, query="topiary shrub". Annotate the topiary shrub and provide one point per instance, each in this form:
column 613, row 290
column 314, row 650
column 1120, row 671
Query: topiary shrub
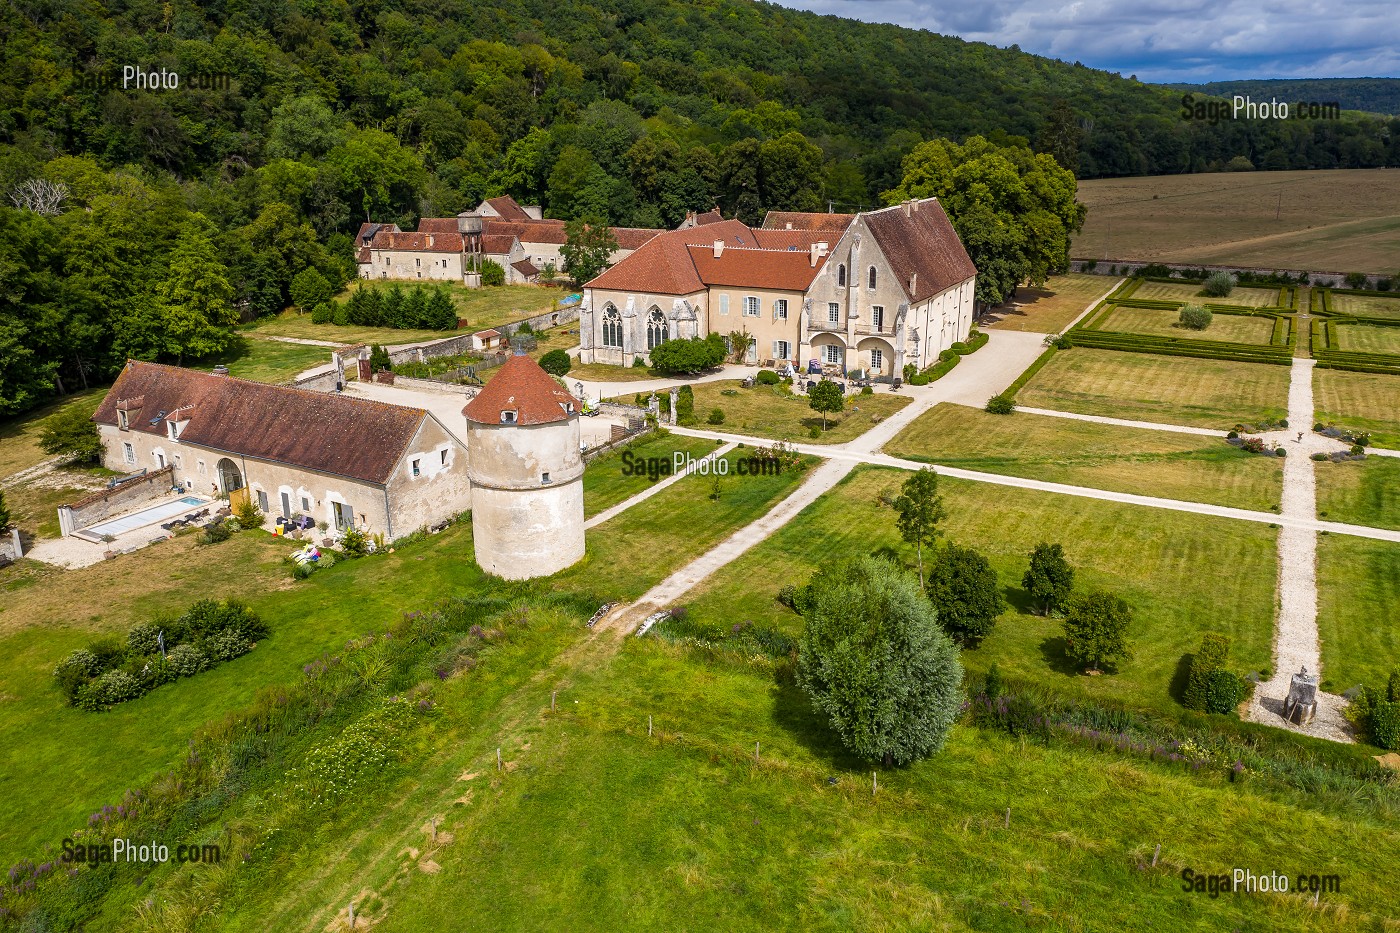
column 768, row 378
column 1218, row 285
column 1232, row 435
column 1195, row 317
column 685, row 405
column 1001, row 405
column 1320, row 457
column 1280, row 452
column 716, row 416
column 1225, row 690
column 556, row 362
column 1214, row 652
column 1385, row 724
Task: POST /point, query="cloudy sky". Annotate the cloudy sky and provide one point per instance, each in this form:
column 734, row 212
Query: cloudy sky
column 1161, row 40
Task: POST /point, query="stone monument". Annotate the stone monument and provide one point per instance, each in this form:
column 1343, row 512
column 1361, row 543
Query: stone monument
column 1301, row 705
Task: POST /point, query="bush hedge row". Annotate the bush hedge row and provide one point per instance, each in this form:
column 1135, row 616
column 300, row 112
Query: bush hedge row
column 1173, row 346
column 110, row 671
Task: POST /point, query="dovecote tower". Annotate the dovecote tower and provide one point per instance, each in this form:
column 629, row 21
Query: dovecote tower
column 526, row 472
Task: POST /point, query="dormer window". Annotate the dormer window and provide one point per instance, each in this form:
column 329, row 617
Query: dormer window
column 122, row 421
column 568, row 408
column 508, row 417
column 170, row 430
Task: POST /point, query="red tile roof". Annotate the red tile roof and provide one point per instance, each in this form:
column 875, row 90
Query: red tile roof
column 328, row 432
column 532, row 231
column 523, row 387
column 438, row 225
column 497, row 244
column 662, row 265
column 419, row 242
column 633, row 237
column 807, row 220
column 525, row 267
column 507, row 208
column 922, row 241
column 709, row 217
column 794, row 239
column 756, row 268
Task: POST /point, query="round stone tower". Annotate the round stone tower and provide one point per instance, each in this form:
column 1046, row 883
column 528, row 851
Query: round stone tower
column 527, row 473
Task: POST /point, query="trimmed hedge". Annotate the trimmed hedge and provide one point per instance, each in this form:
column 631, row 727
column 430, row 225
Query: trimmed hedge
column 1173, row 346
column 1030, row 372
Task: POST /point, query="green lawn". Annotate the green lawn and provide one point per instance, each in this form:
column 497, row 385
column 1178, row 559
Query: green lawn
column 776, row 412
column 56, row 766
column 604, row 372
column 479, row 307
column 1049, row 308
column 267, row 360
column 1363, row 401
column 1366, row 305
column 1190, row 292
column 19, row 436
column 1360, row 493
column 1233, row 328
column 1358, row 592
column 1061, row 450
column 1173, row 390
column 1368, row 338
column 1183, row 574
column 605, row 485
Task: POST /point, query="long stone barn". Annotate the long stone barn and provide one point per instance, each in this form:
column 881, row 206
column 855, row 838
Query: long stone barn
column 341, row 460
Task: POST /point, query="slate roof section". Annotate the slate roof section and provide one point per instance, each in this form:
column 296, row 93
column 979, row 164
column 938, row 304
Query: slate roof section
column 663, row 266
column 918, row 237
column 520, row 385
column 807, row 220
column 331, row 433
column 755, row 268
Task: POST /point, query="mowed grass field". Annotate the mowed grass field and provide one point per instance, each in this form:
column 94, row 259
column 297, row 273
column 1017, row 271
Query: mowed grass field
column 776, row 412
column 1366, row 305
column 56, row 762
column 1183, row 574
column 1336, row 220
column 1232, row 328
column 1052, row 307
column 1369, row 338
column 1081, row 453
column 1360, row 493
column 1358, row 592
column 1364, row 401
column 1190, row 292
column 267, row 360
column 605, row 484
column 1172, row 390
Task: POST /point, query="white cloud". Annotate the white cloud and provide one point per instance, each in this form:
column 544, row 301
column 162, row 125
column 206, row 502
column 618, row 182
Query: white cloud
column 1159, row 40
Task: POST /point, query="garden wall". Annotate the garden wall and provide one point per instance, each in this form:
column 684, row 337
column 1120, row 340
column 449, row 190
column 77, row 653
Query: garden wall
column 1133, row 266
column 123, row 497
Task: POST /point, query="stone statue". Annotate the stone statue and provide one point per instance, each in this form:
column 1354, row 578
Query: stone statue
column 1301, row 705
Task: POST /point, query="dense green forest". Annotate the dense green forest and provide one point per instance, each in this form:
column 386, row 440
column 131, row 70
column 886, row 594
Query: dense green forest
column 1371, row 95
column 143, row 222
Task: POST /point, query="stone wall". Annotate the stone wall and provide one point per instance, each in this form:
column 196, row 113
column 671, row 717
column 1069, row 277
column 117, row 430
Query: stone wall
column 121, row 498
column 10, row 547
column 566, row 314
column 1133, row 266
column 321, row 382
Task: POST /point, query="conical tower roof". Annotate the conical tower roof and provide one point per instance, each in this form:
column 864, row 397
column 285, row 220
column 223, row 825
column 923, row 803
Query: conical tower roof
column 523, row 387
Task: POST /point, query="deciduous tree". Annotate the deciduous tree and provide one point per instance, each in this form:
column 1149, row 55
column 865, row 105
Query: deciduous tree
column 1050, row 579
column 920, row 509
column 963, row 587
column 1096, row 629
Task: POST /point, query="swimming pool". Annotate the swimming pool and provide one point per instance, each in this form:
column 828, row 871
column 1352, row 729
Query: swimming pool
column 150, row 516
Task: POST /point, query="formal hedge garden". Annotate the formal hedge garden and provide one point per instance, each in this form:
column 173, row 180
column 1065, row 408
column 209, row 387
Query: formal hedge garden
column 1329, row 354
column 111, row 670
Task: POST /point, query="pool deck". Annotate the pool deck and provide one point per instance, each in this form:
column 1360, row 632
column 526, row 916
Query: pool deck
column 77, row 551
column 151, row 514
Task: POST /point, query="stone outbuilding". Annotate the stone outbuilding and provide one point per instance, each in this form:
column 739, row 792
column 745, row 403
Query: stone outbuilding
column 527, row 473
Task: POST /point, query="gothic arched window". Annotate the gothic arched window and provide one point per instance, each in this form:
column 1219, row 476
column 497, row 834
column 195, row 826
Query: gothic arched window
column 872, row 276
column 841, row 275
column 612, row 327
column 657, row 329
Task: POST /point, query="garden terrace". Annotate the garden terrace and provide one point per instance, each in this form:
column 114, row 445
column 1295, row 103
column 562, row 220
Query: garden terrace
column 1368, row 402
column 1103, row 456
column 1365, row 304
column 1203, row 393
column 1366, row 345
column 1182, row 292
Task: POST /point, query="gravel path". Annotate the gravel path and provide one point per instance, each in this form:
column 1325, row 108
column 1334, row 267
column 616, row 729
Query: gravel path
column 651, row 490
column 1122, row 422
column 1296, row 642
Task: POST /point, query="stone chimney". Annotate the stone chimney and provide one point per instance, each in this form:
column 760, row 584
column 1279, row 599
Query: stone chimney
column 915, row 203
column 812, row 254
column 719, row 248
column 908, row 208
column 430, row 241
column 914, row 283
column 789, row 225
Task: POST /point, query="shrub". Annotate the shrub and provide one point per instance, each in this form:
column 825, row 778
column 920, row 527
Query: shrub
column 1212, row 656
column 492, row 273
column 214, row 533
column 1232, row 435
column 689, row 355
column 556, row 362
column 143, row 639
column 247, row 514
column 1062, row 342
column 110, row 688
column 768, row 378
column 867, row 390
column 323, row 313
column 1384, row 722
column 963, row 587
column 1355, row 279
column 355, row 542
column 1254, row 445
column 1357, row 450
column 716, row 416
column 186, row 660
column 1218, row 285
column 228, row 644
column 1225, row 690
column 638, row 363
column 1195, row 317
column 340, row 316
column 1001, row 404
column 1280, row 452
column 814, row 432
column 685, row 405
column 1320, row 457
column 74, row 671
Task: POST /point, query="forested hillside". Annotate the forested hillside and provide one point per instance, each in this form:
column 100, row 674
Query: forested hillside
column 1372, row 95
column 295, row 120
